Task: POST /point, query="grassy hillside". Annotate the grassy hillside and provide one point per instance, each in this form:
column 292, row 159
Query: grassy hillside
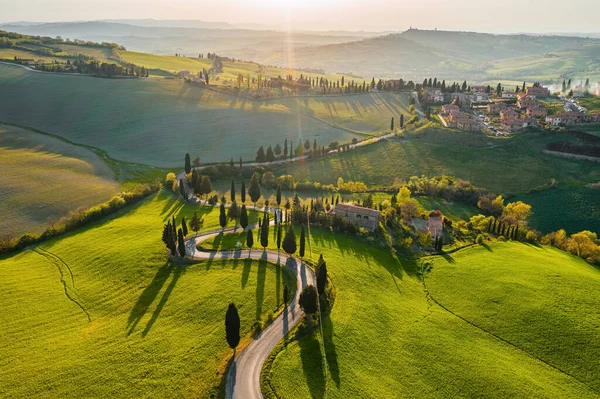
column 564, row 208
column 43, row 179
column 156, row 121
column 385, row 338
column 537, row 298
column 502, row 165
column 155, row 329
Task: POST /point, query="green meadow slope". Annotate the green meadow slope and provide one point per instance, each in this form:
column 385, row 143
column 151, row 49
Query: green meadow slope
column 44, row 178
column 156, row 121
column 386, row 338
column 513, row 165
column 102, row 313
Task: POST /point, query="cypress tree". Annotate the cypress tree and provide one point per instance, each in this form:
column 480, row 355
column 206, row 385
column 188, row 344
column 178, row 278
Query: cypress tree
column 285, row 148
column 264, row 234
column 244, row 217
column 392, row 125
column 184, row 226
column 289, row 241
column 279, row 237
column 232, row 193
column 181, row 243
column 401, row 121
column 278, row 195
column 188, row 164
column 254, row 189
column 232, row 326
column 321, row 275
column 249, row 239
column 182, row 190
column 302, row 242
column 243, row 192
column 223, row 216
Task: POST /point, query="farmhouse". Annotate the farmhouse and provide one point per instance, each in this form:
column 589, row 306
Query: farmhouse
column 508, row 114
column 509, row 94
column 518, row 125
column 570, row 118
column 527, row 101
column 448, row 108
column 366, row 218
column 479, row 97
column 537, row 91
column 495, row 108
column 478, row 89
column 537, row 111
column 462, row 121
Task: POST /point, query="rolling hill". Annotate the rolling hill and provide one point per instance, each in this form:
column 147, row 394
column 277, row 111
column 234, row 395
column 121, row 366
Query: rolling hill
column 415, row 54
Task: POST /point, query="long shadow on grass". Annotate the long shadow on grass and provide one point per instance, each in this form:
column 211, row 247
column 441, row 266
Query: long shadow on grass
column 330, row 351
column 261, row 276
column 149, row 295
column 312, row 365
column 176, row 272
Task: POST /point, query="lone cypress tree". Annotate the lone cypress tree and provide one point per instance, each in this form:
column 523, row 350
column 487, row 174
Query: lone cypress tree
column 302, row 242
column 254, row 190
column 243, row 192
column 278, row 195
column 182, row 190
column 289, row 241
column 321, row 275
column 244, row 217
column 392, row 125
column 188, row 164
column 401, row 121
column 232, row 192
column 249, row 239
column 180, row 243
column 196, row 223
column 223, row 216
column 232, row 327
column 279, row 237
column 264, row 233
column 184, row 226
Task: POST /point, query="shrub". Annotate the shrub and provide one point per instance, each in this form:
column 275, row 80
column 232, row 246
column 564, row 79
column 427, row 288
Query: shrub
column 170, row 179
column 479, row 239
column 531, row 237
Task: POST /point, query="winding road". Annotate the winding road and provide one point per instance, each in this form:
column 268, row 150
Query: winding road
column 243, row 378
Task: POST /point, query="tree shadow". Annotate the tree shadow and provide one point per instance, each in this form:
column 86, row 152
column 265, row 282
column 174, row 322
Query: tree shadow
column 176, row 271
column 246, row 271
column 312, row 365
column 261, row 275
column 486, row 246
column 448, row 258
column 217, row 241
column 148, row 296
column 330, row 351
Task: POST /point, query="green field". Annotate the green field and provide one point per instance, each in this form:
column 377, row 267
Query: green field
column 384, row 338
column 571, row 209
column 539, row 299
column 43, row 179
column 504, row 166
column 155, row 329
column 156, row 121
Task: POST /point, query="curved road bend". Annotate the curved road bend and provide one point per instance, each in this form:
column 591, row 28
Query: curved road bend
column 243, row 378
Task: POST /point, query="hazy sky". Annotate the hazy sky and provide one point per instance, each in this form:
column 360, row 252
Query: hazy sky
column 482, row 15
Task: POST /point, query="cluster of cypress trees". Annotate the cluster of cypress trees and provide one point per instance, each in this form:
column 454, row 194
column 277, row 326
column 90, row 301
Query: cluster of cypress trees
column 438, row 243
column 502, row 229
column 174, row 238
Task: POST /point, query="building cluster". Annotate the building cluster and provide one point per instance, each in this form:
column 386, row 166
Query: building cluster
column 572, row 118
column 477, row 94
column 454, row 117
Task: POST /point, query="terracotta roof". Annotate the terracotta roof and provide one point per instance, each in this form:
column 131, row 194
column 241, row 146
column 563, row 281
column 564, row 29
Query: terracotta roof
column 357, row 209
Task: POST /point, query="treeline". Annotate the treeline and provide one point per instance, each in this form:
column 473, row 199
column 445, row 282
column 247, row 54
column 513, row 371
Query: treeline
column 12, row 39
column 79, row 218
column 302, row 149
